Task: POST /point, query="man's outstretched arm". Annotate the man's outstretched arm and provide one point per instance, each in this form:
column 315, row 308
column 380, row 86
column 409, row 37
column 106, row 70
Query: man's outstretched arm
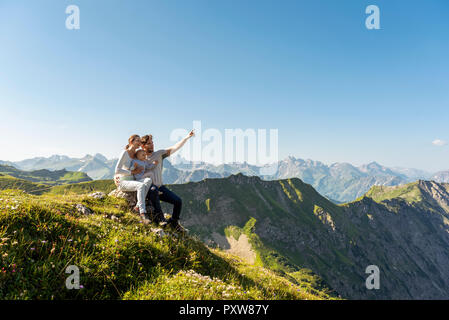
column 179, row 145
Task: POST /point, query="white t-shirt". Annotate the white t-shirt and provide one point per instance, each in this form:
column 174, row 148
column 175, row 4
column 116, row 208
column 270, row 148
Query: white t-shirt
column 159, row 156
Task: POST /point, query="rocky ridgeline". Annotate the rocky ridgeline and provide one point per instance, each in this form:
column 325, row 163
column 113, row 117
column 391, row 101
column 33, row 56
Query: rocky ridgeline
column 402, row 230
column 435, row 191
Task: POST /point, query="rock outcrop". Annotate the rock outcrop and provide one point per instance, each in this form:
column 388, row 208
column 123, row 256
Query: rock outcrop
column 97, row 195
column 81, row 208
column 130, row 197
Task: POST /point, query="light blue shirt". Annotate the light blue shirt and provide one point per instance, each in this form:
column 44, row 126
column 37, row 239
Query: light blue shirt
column 146, row 166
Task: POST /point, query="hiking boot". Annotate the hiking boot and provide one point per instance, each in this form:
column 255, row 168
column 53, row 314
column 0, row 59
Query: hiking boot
column 174, row 224
column 159, row 218
column 145, row 218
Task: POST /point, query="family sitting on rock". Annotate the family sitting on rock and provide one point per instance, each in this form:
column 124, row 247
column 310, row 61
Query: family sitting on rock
column 139, row 169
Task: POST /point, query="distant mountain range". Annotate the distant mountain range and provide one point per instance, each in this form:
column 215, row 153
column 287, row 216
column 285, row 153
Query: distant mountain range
column 96, row 167
column 442, row 176
column 340, row 182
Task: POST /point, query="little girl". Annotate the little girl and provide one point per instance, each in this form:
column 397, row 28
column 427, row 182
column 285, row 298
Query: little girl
column 148, row 167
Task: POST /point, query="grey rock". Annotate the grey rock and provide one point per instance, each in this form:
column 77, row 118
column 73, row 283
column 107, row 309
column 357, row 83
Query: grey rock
column 81, row 208
column 97, row 195
column 159, row 232
column 130, row 197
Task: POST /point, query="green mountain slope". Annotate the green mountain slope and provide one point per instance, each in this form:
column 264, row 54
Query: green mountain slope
column 289, row 226
column 46, row 176
column 105, row 186
column 9, row 182
column 119, row 257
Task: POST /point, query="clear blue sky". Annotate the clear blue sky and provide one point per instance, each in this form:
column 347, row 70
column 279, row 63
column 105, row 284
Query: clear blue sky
column 335, row 90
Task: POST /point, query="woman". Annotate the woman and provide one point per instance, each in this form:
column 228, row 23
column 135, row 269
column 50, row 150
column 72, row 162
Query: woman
column 124, row 175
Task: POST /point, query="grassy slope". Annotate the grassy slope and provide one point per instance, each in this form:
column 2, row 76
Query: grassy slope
column 10, row 182
column 294, row 227
column 416, row 194
column 119, row 257
column 267, row 257
column 409, row 192
column 277, row 262
column 298, row 209
column 105, row 186
column 234, row 206
column 46, row 176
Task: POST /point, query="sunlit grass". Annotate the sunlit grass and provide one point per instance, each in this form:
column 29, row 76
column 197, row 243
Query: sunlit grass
column 118, row 256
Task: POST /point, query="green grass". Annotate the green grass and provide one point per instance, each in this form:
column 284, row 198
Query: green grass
column 10, row 182
column 409, row 192
column 44, row 176
column 249, row 282
column 277, row 262
column 105, row 186
column 119, row 257
column 288, row 201
column 233, row 231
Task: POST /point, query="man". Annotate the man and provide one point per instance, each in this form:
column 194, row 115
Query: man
column 158, row 191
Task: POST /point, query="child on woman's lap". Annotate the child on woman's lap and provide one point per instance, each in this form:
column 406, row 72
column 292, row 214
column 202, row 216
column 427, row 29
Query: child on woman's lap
column 146, row 173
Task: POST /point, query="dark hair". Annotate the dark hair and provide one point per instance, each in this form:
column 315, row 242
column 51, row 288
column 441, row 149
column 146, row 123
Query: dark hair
column 146, row 138
column 131, row 139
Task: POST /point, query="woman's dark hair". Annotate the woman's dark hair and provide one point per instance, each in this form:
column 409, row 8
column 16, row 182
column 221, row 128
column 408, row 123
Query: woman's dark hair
column 131, row 139
column 146, row 138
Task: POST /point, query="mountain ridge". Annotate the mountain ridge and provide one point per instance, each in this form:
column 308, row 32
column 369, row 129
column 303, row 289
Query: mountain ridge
column 44, row 176
column 289, row 219
column 119, row 257
column 340, row 182
column 287, row 226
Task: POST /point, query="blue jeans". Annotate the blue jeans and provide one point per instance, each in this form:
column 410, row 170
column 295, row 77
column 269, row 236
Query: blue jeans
column 166, row 196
